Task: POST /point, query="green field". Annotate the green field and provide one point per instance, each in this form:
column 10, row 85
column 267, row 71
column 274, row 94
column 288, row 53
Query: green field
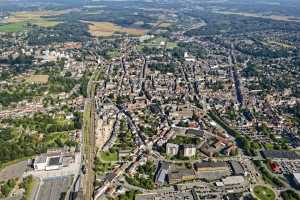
column 14, row 27
column 264, row 193
column 109, row 156
column 155, row 42
column 113, row 54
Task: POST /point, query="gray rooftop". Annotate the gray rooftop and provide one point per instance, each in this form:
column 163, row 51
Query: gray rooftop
column 41, row 158
column 236, row 167
column 54, row 161
column 210, row 164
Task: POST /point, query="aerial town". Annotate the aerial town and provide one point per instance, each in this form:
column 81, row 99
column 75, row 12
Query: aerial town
column 150, row 100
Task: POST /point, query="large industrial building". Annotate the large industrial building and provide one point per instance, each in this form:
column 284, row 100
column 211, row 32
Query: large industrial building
column 53, row 160
column 210, row 166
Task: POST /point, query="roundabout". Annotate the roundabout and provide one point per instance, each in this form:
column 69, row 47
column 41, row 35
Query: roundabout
column 264, row 193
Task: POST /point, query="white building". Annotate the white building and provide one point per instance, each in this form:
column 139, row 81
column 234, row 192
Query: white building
column 40, row 162
column 53, row 160
column 189, row 150
column 172, row 149
column 188, row 57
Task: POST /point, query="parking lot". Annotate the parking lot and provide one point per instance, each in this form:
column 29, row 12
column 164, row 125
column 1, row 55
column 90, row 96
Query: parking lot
column 51, row 189
column 13, row 171
column 289, row 167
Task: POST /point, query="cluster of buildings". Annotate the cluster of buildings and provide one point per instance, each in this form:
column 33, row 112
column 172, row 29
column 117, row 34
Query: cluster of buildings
column 168, row 173
column 217, row 145
column 188, row 150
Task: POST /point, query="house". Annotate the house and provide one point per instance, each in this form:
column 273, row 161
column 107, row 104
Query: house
column 123, row 154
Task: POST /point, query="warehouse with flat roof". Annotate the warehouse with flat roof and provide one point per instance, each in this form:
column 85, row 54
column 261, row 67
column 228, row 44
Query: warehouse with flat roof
column 236, row 168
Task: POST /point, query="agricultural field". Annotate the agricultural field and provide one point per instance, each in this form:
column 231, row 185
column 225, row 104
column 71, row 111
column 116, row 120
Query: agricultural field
column 12, row 27
column 38, row 79
column 16, row 21
column 107, row 29
column 258, row 15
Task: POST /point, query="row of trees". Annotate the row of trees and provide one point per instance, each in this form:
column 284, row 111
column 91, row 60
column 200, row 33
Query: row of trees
column 163, row 67
column 267, row 176
column 59, row 84
column 236, row 24
column 290, row 195
column 22, row 141
column 71, row 31
column 249, row 147
column 14, row 95
column 42, row 123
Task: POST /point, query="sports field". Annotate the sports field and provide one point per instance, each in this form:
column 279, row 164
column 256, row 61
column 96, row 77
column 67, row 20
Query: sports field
column 264, row 193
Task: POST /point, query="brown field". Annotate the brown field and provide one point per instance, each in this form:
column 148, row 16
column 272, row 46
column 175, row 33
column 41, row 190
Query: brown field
column 35, row 17
column 106, row 29
column 273, row 17
column 43, row 79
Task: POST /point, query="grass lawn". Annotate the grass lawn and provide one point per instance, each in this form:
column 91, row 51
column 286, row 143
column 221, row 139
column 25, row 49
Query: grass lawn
column 269, row 146
column 108, row 156
column 264, row 193
column 171, row 45
column 12, row 27
column 113, row 54
column 156, row 43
